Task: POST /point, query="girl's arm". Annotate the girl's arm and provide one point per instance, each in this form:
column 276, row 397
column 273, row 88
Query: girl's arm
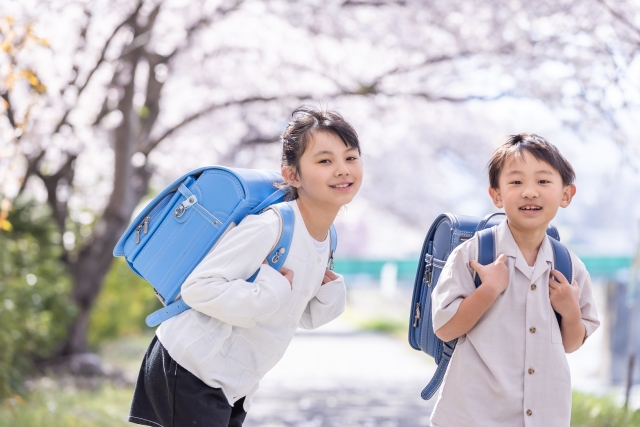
column 329, row 302
column 214, row 289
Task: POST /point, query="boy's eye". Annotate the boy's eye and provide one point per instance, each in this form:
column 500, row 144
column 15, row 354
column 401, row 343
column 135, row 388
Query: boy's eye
column 516, row 182
column 543, row 181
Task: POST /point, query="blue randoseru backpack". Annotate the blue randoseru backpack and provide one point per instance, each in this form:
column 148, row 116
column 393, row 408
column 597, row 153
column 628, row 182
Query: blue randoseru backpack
column 447, row 232
column 178, row 228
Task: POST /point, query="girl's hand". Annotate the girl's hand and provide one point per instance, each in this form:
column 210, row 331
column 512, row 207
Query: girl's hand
column 329, row 276
column 288, row 274
column 563, row 295
column 495, row 276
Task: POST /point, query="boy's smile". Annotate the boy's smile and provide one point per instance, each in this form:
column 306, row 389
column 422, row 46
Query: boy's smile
column 530, row 191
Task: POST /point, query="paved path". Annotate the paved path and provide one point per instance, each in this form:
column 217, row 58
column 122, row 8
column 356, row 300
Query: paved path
column 337, row 376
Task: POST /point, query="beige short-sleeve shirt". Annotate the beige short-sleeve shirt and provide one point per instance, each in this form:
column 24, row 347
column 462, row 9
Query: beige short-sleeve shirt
column 510, row 369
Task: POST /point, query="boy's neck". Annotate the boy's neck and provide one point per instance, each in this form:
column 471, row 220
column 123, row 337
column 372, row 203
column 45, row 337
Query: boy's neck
column 528, row 241
column 317, row 217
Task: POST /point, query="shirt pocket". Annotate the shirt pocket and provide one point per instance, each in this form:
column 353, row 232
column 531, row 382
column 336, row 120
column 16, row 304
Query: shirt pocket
column 556, row 335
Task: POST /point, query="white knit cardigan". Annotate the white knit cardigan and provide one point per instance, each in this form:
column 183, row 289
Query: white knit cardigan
column 237, row 330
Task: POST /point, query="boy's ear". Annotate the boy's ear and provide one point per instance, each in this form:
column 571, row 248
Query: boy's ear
column 290, row 175
column 567, row 195
column 496, row 197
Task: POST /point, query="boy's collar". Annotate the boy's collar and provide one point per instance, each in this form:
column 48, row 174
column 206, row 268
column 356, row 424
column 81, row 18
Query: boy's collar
column 506, row 244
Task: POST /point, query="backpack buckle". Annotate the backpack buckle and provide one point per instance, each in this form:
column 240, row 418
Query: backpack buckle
column 276, row 257
column 428, row 259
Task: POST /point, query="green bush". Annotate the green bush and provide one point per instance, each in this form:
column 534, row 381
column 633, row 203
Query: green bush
column 123, row 305
column 601, row 411
column 34, row 287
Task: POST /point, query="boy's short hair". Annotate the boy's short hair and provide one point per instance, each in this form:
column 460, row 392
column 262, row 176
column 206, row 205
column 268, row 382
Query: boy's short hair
column 538, row 147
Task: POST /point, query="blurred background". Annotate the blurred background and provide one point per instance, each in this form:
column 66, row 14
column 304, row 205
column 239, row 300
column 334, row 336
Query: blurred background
column 105, row 102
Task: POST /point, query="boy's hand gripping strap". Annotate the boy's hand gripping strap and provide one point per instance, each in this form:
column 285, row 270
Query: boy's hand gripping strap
column 562, row 263
column 561, row 256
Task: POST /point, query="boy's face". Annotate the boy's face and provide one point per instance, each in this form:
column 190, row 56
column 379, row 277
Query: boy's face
column 530, row 191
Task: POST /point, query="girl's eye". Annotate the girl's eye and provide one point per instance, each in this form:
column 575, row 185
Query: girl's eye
column 352, row 158
column 324, row 161
column 543, row 181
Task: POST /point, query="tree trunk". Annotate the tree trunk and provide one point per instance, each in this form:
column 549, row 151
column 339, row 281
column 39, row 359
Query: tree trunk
column 92, row 264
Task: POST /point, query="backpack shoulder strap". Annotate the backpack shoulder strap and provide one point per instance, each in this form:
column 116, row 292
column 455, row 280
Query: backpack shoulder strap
column 279, row 252
column 561, row 262
column 562, row 259
column 274, row 197
column 333, row 239
column 486, row 250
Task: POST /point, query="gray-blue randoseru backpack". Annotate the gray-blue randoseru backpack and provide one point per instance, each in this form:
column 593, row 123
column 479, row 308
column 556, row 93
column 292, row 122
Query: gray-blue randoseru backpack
column 447, row 232
column 177, row 229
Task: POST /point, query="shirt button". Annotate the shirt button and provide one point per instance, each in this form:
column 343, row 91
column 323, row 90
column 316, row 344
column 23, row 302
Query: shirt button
column 306, row 293
column 319, row 259
column 533, row 287
column 258, row 374
column 293, row 325
column 532, row 330
column 529, row 412
column 531, row 371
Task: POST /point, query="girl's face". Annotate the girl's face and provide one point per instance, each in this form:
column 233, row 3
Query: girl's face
column 330, row 172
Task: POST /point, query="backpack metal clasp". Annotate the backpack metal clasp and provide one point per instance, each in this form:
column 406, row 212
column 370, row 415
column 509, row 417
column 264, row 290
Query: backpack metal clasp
column 276, row 257
column 182, row 208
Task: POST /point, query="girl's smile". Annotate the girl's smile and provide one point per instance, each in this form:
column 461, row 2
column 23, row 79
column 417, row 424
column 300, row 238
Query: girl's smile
column 343, row 186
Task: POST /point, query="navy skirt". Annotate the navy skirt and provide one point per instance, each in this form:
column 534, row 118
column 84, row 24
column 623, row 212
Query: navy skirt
column 167, row 395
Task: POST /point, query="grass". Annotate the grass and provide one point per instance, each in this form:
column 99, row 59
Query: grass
column 599, row 411
column 107, row 406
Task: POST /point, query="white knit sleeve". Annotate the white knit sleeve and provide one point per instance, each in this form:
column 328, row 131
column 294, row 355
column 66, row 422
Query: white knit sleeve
column 218, row 286
column 329, row 303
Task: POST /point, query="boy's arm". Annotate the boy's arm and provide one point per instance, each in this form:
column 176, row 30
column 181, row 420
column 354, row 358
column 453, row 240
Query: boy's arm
column 329, row 302
column 495, row 279
column 574, row 302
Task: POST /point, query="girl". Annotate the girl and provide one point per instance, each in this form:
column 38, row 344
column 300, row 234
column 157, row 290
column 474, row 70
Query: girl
column 203, row 365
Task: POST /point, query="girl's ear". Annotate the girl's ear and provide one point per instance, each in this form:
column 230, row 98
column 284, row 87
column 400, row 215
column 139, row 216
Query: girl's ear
column 496, row 197
column 290, row 175
column 567, row 195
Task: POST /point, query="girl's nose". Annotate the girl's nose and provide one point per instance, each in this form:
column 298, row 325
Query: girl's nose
column 342, row 169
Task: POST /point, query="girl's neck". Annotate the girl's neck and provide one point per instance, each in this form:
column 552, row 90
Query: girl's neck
column 317, row 217
column 528, row 241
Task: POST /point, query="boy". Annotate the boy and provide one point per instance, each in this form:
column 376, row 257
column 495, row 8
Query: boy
column 509, row 367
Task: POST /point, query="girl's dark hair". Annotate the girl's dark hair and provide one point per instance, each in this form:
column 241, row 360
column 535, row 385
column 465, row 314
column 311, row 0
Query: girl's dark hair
column 539, row 148
column 305, row 121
